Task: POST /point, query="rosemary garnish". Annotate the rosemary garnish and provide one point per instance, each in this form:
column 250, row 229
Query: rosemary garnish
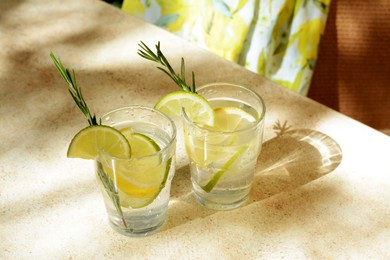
column 77, row 96
column 74, row 91
column 111, row 189
column 179, row 79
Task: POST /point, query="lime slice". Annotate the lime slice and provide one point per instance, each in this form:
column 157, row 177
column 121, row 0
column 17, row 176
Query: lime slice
column 90, row 141
column 214, row 180
column 196, row 107
column 140, row 179
column 143, row 144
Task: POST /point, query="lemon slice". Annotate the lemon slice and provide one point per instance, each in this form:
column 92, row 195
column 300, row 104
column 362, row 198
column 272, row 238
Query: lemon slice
column 220, row 150
column 140, row 179
column 196, row 107
column 229, row 119
column 90, row 141
column 219, row 143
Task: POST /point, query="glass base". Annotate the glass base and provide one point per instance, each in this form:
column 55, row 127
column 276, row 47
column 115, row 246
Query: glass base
column 139, row 222
column 136, row 232
column 219, row 206
column 221, row 198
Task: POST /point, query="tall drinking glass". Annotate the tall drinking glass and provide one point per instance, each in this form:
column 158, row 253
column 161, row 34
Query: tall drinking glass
column 136, row 190
column 222, row 163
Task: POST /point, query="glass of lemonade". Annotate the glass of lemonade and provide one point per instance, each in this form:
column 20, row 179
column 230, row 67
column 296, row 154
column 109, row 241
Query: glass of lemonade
column 223, row 157
column 138, row 206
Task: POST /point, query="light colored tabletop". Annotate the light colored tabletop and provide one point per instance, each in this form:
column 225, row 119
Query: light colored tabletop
column 322, row 184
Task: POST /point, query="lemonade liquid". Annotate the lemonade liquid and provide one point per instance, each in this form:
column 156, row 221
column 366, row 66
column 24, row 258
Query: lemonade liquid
column 142, row 220
column 210, row 153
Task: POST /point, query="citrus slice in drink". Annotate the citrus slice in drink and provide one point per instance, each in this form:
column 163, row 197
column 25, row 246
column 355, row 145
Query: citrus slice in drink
column 221, row 146
column 196, row 107
column 217, row 176
column 143, row 144
column 229, row 119
column 141, row 178
column 90, row 141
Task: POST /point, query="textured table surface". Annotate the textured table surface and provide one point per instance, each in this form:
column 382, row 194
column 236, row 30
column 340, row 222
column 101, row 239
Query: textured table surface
column 322, row 184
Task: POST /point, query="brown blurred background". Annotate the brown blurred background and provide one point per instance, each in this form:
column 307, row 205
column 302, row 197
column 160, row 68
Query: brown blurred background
column 352, row 74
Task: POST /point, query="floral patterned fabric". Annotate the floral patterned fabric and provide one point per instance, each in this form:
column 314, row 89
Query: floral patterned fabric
column 278, row 39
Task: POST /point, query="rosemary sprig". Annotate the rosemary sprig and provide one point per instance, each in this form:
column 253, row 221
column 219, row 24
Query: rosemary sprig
column 77, row 96
column 74, row 91
column 179, row 79
column 111, row 189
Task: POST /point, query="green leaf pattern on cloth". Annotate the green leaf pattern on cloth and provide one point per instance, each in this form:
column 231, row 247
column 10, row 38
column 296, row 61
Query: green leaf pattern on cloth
column 278, row 39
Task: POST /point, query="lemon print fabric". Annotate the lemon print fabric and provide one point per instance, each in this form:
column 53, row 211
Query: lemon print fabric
column 278, row 39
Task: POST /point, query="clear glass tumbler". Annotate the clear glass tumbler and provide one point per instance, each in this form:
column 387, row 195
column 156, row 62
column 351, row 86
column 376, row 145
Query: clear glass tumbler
column 136, row 191
column 222, row 163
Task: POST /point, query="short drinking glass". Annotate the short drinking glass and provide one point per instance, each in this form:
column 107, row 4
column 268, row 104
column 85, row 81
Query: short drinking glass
column 223, row 158
column 136, row 190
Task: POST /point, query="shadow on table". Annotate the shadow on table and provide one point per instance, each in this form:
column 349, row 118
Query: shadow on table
column 183, row 206
column 291, row 159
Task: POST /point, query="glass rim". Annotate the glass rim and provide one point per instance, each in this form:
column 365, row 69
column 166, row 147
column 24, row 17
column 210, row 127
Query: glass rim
column 258, row 121
column 172, row 137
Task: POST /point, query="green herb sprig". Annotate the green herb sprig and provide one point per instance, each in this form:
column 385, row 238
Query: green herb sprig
column 75, row 92
column 179, row 79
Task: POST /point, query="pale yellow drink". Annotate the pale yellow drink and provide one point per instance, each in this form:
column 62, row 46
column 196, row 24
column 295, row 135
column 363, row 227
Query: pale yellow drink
column 143, row 181
column 223, row 158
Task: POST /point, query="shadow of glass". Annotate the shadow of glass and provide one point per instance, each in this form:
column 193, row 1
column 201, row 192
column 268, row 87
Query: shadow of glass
column 287, row 161
column 292, row 159
column 183, row 206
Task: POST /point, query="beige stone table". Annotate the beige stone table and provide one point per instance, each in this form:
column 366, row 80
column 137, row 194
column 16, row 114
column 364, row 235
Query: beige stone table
column 322, row 184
